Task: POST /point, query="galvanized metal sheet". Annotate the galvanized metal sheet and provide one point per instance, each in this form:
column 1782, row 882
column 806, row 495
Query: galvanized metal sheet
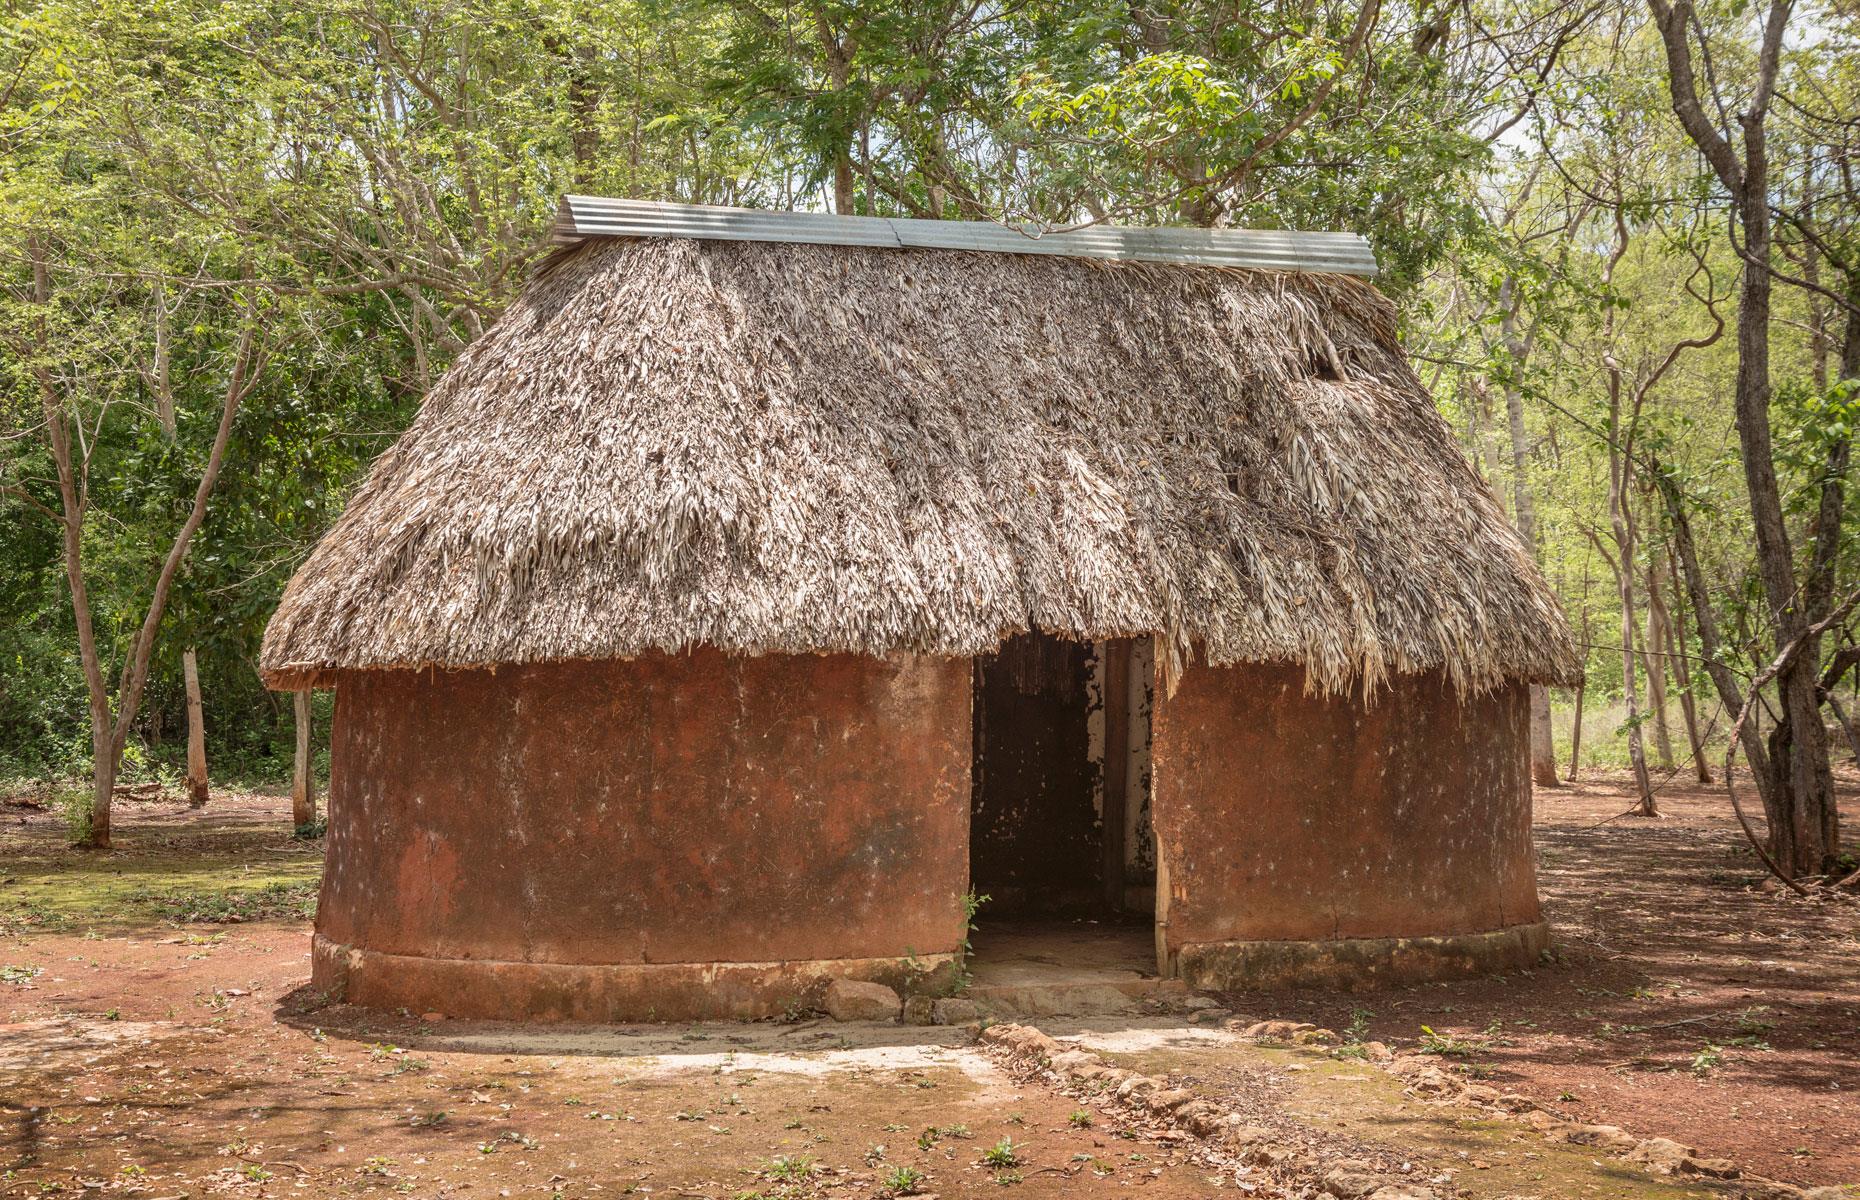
column 582, row 217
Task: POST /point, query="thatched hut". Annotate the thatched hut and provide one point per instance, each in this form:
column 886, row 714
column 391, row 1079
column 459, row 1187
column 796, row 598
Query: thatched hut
column 761, row 584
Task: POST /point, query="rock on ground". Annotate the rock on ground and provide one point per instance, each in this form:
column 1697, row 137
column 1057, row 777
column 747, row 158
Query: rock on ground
column 857, row 1000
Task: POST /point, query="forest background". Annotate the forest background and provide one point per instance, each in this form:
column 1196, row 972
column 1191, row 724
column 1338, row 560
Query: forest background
column 240, row 238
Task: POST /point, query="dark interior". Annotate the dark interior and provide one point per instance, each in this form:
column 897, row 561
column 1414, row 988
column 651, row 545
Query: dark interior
column 1035, row 843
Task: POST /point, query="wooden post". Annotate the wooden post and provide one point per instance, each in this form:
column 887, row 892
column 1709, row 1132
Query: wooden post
column 1116, row 767
column 196, row 731
column 303, row 780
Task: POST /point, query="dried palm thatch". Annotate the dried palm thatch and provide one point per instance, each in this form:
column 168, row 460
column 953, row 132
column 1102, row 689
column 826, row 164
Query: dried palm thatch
column 786, row 448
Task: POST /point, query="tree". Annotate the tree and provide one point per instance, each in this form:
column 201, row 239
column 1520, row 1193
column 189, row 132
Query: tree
column 1799, row 799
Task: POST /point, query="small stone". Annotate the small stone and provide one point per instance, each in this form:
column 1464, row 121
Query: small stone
column 1667, row 1157
column 1200, row 1118
column 1168, row 1100
column 1512, row 1102
column 1546, row 1123
column 1479, row 1093
column 1314, row 1037
column 1346, row 1184
column 918, row 1010
column 1434, row 1082
column 1401, row 1191
column 1378, row 1053
column 1242, row 1136
column 955, row 1011
column 1021, row 1041
column 1196, row 1003
column 1211, row 1016
column 859, row 1000
column 1607, row 1136
column 1275, row 1031
column 1137, row 1085
column 1074, row 1061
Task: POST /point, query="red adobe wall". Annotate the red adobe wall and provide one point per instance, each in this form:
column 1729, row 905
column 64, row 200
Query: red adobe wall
column 1287, row 818
column 581, row 840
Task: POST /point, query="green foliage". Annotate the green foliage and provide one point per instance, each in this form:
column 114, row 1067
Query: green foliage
column 274, row 901
column 1445, row 1045
column 363, row 189
column 1004, row 1153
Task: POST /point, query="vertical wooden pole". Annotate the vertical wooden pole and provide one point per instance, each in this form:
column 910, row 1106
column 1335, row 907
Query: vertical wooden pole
column 196, row 731
column 303, row 781
column 1116, row 767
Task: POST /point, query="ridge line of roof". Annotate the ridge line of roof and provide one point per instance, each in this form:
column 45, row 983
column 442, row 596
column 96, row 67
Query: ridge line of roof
column 581, row 217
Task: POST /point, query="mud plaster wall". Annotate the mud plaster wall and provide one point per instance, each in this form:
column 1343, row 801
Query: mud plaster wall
column 1282, row 816
column 697, row 808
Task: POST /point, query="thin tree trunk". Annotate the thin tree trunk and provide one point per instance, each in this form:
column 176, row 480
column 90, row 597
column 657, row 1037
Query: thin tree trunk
column 1630, row 683
column 1575, row 730
column 1582, row 684
column 196, row 731
column 1657, row 647
column 1675, row 620
column 1847, row 727
column 1624, row 594
column 303, row 778
column 1524, row 515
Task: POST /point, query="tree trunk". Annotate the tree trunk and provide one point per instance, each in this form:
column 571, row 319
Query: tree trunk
column 1657, row 647
column 1582, row 684
column 102, row 791
column 1630, row 695
column 1622, row 523
column 1674, row 621
column 1575, row 731
column 303, row 779
column 1847, row 727
column 196, row 731
column 1800, row 802
column 1730, row 695
column 1543, row 740
column 1524, row 515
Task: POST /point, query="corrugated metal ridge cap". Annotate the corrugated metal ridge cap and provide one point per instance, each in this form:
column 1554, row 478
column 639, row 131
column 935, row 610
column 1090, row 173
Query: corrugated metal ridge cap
column 581, row 217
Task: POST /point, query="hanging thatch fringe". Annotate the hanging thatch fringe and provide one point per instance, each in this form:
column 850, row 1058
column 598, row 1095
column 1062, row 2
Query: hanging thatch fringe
column 782, row 448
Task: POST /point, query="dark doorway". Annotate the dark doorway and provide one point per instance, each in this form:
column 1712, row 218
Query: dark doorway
column 1035, row 838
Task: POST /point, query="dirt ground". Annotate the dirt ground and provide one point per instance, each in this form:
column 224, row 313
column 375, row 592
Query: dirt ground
column 159, row 1040
column 1691, row 997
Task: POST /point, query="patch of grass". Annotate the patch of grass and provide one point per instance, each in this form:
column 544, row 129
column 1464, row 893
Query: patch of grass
column 788, row 1168
column 231, row 906
column 73, row 805
column 1445, row 1045
column 1003, row 1153
column 903, row 1181
column 1708, row 1059
column 19, row 975
column 1079, row 1120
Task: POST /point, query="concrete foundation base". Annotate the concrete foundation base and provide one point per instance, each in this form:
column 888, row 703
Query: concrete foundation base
column 604, row 994
column 1033, row 968
column 1354, row 964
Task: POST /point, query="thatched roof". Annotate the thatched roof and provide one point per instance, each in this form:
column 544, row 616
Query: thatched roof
column 793, row 448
